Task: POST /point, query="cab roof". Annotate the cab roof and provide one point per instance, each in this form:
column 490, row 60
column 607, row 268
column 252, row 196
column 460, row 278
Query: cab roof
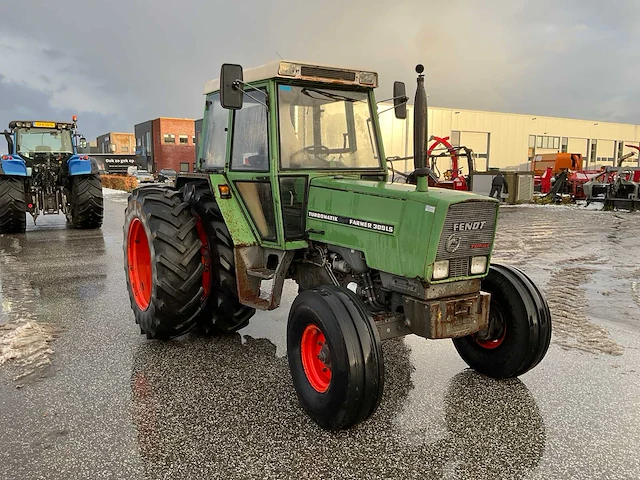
column 288, row 69
column 40, row 124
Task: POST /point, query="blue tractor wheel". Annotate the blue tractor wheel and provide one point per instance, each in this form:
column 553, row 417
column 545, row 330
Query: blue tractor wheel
column 86, row 202
column 13, row 211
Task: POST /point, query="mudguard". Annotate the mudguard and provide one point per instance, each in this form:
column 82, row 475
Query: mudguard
column 13, row 165
column 82, row 165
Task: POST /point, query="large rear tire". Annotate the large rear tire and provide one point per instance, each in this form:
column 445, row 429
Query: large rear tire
column 221, row 310
column 86, row 202
column 519, row 330
column 163, row 262
column 335, row 357
column 13, row 211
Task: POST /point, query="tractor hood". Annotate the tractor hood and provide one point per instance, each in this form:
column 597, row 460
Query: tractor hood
column 400, row 230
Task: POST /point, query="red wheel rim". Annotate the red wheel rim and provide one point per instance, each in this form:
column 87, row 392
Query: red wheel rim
column 316, row 358
column 497, row 332
column 205, row 252
column 491, row 344
column 139, row 261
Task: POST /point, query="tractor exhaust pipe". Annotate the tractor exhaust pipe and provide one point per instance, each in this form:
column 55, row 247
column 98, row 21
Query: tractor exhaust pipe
column 420, row 133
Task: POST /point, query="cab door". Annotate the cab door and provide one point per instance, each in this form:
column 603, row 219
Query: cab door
column 249, row 164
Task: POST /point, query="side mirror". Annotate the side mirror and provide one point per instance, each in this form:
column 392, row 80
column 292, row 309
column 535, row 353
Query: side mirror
column 400, row 100
column 230, row 88
column 83, row 143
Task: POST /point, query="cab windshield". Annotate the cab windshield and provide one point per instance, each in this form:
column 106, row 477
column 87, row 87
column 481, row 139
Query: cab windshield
column 34, row 141
column 325, row 128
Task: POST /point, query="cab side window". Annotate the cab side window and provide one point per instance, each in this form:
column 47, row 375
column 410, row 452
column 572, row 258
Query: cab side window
column 250, row 147
column 215, row 144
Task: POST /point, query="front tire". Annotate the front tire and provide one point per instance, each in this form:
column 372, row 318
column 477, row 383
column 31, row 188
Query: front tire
column 519, row 330
column 86, row 202
column 163, row 263
column 13, row 211
column 335, row 357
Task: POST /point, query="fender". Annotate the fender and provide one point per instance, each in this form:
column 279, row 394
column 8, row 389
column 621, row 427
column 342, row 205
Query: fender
column 82, row 165
column 13, row 165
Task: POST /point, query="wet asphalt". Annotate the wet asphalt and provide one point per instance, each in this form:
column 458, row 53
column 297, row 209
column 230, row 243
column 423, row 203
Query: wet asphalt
column 113, row 404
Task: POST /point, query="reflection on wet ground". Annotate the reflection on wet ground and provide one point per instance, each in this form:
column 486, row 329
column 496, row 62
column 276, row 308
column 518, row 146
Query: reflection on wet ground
column 112, row 404
column 242, row 417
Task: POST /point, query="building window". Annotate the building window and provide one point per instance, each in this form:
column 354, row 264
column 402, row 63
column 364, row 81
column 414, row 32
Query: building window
column 124, row 148
column 139, row 142
column 149, row 146
column 184, row 167
column 184, row 139
column 532, row 141
column 455, row 138
column 193, row 140
column 169, row 138
column 547, row 142
column 565, row 144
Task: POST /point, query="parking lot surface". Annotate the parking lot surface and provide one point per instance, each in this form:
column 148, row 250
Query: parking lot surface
column 84, row 395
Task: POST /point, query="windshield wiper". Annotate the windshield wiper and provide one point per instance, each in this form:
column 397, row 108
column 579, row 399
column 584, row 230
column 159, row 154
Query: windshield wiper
column 332, row 96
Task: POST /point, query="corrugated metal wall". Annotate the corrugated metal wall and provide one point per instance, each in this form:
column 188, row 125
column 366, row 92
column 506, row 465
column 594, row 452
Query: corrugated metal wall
column 508, row 134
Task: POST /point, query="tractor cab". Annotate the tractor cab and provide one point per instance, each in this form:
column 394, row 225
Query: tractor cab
column 281, row 126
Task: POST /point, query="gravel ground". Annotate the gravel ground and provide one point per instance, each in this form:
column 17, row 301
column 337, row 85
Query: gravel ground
column 84, row 395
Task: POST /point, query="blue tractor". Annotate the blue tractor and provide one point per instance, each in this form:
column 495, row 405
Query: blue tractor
column 44, row 174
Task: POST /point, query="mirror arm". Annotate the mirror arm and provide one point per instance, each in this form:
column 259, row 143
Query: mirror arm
column 404, row 99
column 391, row 108
column 236, row 85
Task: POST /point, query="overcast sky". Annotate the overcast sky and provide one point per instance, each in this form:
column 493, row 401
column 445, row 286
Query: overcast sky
column 117, row 63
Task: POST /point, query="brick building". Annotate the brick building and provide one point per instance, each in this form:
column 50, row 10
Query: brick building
column 166, row 143
column 114, row 142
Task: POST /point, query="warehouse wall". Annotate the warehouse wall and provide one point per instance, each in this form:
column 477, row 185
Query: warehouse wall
column 507, row 136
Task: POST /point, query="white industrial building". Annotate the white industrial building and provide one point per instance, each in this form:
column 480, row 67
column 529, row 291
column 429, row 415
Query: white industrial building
column 507, row 140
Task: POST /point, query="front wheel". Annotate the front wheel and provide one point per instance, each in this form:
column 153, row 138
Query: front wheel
column 519, row 329
column 86, row 203
column 335, row 357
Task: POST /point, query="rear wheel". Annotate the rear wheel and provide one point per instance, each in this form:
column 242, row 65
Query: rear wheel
column 221, row 310
column 163, row 262
column 13, row 211
column 335, row 357
column 519, row 330
column 86, row 202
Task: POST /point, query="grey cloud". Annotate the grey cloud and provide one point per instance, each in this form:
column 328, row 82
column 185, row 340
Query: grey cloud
column 573, row 59
column 21, row 103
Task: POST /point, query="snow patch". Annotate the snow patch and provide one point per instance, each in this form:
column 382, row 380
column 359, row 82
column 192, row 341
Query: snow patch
column 107, row 192
column 26, row 344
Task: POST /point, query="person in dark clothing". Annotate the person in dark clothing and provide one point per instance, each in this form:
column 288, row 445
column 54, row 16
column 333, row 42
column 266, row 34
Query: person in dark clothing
column 497, row 185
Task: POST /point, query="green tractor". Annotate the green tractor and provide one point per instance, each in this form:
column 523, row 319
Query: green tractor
column 292, row 183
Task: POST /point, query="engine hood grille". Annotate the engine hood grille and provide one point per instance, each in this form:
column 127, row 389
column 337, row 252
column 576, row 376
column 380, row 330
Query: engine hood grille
column 468, row 232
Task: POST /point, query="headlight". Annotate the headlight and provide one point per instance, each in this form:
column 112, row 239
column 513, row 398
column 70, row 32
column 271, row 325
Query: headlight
column 368, row 78
column 441, row 269
column 288, row 69
column 478, row 265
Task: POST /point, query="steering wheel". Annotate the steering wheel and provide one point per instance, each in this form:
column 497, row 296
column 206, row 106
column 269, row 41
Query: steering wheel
column 316, row 151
